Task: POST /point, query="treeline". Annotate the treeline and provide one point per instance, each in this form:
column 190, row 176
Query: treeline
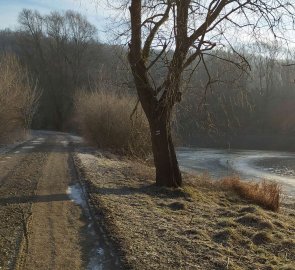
column 62, row 52
column 221, row 97
column 240, row 105
column 18, row 99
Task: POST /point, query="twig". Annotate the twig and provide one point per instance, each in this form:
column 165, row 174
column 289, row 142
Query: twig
column 227, row 265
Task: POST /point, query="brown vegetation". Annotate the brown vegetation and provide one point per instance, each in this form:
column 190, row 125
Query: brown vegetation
column 265, row 193
column 201, row 226
column 56, row 49
column 106, row 120
column 18, row 98
column 184, row 41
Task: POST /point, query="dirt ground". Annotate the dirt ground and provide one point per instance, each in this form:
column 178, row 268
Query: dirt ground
column 197, row 227
column 40, row 227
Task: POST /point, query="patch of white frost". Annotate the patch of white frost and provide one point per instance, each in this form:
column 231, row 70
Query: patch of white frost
column 36, row 142
column 28, row 147
column 64, row 143
column 76, row 195
column 76, row 139
column 95, row 262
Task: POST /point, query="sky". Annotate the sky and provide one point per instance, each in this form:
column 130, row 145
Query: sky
column 96, row 13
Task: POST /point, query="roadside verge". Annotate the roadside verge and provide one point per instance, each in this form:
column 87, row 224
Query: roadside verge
column 197, row 227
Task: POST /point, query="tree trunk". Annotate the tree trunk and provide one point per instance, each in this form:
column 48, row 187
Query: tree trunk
column 167, row 168
column 158, row 114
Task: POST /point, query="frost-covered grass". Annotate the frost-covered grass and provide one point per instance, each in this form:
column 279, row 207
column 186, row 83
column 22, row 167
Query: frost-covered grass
column 201, row 226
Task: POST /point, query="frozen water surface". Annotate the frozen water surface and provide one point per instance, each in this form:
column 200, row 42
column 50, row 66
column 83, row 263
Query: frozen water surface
column 101, row 257
column 28, row 147
column 76, row 195
column 249, row 164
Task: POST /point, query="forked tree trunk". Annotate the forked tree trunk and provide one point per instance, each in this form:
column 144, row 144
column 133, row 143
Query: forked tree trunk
column 167, row 168
column 158, row 113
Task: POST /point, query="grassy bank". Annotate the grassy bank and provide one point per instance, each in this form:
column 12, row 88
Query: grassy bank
column 202, row 226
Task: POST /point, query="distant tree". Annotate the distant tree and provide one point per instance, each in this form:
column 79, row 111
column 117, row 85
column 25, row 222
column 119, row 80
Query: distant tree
column 56, row 48
column 19, row 97
column 183, row 32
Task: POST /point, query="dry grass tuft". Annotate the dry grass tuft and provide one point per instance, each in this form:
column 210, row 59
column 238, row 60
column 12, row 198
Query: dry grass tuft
column 18, row 99
column 105, row 121
column 261, row 238
column 224, row 235
column 253, row 220
column 266, row 193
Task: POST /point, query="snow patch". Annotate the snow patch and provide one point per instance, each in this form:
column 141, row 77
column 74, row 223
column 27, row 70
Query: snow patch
column 36, row 142
column 76, row 139
column 76, row 194
column 28, row 147
column 219, row 163
column 65, row 143
column 95, row 262
column 97, row 254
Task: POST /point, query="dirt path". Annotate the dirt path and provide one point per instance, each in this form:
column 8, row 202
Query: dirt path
column 54, row 238
column 40, row 226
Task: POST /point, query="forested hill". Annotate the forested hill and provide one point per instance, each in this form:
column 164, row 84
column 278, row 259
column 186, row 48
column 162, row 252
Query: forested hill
column 64, row 56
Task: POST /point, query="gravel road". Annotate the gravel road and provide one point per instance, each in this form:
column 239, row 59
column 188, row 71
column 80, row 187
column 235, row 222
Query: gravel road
column 41, row 227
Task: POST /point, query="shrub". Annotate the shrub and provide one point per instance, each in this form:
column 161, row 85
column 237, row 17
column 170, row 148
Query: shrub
column 266, row 193
column 105, row 120
column 18, row 98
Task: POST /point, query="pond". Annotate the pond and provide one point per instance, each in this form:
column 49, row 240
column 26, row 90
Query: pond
column 249, row 164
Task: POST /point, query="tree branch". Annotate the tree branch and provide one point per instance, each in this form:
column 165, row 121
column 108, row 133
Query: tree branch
column 154, row 30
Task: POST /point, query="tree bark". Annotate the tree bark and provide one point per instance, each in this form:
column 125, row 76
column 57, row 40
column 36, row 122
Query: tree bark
column 167, row 168
column 188, row 43
column 158, row 112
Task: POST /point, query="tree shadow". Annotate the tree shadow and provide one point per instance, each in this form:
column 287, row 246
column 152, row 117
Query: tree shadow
column 152, row 190
column 34, row 199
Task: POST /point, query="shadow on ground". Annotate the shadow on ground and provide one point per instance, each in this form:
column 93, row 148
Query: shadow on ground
column 34, row 199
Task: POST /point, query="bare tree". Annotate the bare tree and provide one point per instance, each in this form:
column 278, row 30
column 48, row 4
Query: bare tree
column 19, row 97
column 56, row 48
column 182, row 32
column 266, row 78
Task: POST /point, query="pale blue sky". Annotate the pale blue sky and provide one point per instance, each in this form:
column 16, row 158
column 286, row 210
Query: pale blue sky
column 96, row 13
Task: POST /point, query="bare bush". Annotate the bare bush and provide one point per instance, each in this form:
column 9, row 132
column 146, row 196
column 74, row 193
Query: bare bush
column 109, row 121
column 266, row 193
column 18, row 98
